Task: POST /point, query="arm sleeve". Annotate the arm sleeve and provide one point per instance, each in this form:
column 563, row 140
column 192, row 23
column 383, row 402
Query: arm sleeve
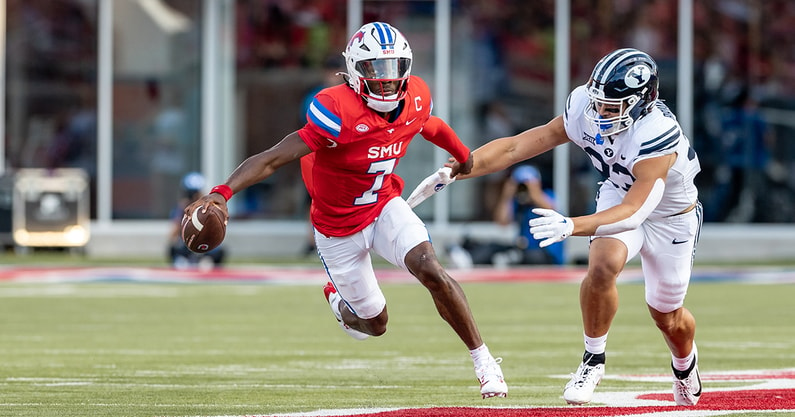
column 442, row 135
column 633, row 222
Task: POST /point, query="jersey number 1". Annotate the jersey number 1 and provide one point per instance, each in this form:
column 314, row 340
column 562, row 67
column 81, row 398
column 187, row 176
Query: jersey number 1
column 381, row 168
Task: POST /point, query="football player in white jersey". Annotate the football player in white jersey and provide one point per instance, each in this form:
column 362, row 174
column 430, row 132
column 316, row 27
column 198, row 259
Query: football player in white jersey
column 647, row 204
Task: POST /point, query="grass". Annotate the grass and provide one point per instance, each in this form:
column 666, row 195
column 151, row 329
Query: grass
column 132, row 349
column 60, row 257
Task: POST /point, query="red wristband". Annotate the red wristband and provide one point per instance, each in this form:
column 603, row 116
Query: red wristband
column 224, row 190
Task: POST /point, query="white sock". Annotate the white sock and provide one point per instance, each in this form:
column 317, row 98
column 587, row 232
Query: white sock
column 480, row 354
column 595, row 345
column 683, row 364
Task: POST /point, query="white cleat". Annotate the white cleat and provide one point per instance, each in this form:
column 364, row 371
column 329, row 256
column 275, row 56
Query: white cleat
column 579, row 390
column 687, row 391
column 334, row 301
column 492, row 383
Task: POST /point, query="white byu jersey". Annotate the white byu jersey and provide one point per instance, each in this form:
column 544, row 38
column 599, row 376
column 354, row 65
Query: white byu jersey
column 655, row 134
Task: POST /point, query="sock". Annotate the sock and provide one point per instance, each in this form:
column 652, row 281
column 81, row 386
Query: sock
column 480, row 354
column 593, row 359
column 684, row 365
column 595, row 344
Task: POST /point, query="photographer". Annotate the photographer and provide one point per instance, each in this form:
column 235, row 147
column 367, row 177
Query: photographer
column 521, row 193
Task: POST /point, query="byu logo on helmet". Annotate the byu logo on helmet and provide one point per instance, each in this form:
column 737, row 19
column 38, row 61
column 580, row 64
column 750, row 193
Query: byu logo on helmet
column 638, row 76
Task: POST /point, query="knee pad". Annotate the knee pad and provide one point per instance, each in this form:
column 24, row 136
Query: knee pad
column 665, row 303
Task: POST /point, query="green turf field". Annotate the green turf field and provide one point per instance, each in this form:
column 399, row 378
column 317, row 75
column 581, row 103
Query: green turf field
column 134, row 349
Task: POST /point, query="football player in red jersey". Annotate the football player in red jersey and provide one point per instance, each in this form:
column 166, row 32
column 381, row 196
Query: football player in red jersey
column 356, row 133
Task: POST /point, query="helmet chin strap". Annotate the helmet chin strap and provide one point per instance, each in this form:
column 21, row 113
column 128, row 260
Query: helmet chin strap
column 382, row 106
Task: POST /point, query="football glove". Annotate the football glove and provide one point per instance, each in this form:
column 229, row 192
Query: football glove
column 551, row 226
column 430, row 186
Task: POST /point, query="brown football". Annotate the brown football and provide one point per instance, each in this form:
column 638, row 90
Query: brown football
column 203, row 231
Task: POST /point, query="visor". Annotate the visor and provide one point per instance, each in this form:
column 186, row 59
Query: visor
column 384, row 68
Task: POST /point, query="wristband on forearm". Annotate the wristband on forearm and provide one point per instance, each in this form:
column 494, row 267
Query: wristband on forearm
column 224, row 190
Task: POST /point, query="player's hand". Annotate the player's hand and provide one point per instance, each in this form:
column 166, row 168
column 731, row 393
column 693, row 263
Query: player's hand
column 205, row 201
column 459, row 168
column 551, row 226
column 430, row 186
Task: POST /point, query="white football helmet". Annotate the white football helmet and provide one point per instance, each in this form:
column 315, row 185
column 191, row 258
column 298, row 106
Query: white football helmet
column 378, row 59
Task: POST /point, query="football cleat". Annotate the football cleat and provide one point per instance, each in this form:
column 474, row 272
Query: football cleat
column 492, row 383
column 334, row 300
column 579, row 390
column 687, row 390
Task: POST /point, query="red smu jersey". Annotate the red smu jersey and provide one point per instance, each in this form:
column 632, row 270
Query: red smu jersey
column 350, row 174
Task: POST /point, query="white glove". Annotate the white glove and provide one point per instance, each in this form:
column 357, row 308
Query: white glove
column 430, row 186
column 551, row 226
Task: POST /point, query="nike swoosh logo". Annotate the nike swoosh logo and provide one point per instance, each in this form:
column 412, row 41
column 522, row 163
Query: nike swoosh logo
column 408, row 122
column 698, row 394
column 678, row 242
column 333, row 144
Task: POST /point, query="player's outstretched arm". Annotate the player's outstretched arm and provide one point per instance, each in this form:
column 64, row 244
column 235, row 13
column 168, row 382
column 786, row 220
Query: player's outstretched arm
column 495, row 156
column 262, row 165
column 253, row 170
column 502, row 153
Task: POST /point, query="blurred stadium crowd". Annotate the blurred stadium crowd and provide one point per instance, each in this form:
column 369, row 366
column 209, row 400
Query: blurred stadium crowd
column 502, row 52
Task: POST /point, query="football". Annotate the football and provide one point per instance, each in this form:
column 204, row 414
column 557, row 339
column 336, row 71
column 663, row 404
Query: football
column 203, row 231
